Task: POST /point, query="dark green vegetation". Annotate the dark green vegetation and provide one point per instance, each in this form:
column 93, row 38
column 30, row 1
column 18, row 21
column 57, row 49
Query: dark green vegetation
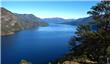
column 10, row 22
column 94, row 45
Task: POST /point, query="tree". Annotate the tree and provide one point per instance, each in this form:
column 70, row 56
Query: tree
column 94, row 43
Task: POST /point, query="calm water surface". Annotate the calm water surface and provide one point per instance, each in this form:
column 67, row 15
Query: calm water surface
column 38, row 45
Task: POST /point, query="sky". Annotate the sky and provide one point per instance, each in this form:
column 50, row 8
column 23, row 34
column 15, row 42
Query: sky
column 50, row 9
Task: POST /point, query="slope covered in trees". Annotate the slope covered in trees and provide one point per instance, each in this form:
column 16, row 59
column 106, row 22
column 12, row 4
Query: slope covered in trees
column 94, row 44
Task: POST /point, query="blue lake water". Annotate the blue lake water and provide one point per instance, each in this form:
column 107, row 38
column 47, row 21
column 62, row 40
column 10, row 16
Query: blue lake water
column 37, row 45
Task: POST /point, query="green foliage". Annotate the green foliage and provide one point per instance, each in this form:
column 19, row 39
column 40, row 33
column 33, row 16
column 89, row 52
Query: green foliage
column 49, row 63
column 95, row 45
column 108, row 51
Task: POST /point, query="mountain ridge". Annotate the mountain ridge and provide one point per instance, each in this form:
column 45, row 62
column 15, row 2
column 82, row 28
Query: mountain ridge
column 11, row 22
column 79, row 21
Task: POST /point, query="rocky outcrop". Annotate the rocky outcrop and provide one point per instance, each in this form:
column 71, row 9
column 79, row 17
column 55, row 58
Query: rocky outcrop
column 8, row 22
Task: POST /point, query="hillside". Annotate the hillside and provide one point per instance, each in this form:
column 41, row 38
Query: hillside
column 10, row 22
column 29, row 20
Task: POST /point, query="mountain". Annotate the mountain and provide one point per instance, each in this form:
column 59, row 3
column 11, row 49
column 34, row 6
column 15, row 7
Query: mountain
column 29, row 20
column 11, row 22
column 28, row 17
column 56, row 20
column 79, row 21
column 68, row 21
column 8, row 22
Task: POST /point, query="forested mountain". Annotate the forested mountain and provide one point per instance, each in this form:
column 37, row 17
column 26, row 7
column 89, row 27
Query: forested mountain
column 94, row 47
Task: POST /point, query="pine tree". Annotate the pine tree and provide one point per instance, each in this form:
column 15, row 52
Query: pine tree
column 94, row 44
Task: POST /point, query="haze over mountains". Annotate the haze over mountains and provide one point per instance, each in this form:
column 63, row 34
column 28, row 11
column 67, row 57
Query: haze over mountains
column 68, row 21
column 79, row 21
column 56, row 20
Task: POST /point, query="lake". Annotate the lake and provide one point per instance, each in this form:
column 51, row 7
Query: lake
column 37, row 45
